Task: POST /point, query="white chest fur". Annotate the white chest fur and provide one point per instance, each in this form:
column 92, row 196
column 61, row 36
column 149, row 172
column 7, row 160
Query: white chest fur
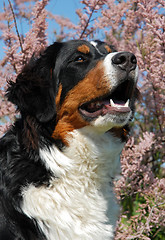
column 79, row 204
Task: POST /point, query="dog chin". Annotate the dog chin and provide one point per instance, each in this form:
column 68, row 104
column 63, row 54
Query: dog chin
column 104, row 123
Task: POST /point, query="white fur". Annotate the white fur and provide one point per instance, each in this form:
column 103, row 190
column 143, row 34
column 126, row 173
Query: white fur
column 79, row 204
column 111, row 72
column 109, row 121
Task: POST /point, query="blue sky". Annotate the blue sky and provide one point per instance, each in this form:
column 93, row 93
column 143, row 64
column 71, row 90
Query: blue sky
column 65, row 8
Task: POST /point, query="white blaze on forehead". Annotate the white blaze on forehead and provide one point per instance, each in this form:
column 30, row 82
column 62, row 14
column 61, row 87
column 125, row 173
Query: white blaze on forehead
column 95, row 45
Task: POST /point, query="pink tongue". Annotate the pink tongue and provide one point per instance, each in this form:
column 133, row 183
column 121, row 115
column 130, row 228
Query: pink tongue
column 107, row 108
column 112, row 109
column 107, row 103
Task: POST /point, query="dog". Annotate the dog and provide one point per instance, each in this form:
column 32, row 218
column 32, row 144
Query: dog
column 59, row 159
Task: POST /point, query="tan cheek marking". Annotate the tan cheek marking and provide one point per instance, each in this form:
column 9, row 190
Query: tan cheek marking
column 108, row 48
column 84, row 49
column 92, row 86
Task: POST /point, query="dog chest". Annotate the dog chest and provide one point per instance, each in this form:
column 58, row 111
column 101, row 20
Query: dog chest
column 79, row 203
column 67, row 210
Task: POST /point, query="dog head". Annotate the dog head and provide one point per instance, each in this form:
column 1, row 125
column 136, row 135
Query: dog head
column 77, row 84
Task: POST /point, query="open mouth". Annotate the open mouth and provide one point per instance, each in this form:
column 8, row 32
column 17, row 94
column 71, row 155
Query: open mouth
column 118, row 102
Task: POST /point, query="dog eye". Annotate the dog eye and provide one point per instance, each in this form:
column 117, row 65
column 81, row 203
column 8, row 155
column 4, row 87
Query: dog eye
column 79, row 59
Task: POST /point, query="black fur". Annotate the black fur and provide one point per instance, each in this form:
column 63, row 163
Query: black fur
column 17, row 169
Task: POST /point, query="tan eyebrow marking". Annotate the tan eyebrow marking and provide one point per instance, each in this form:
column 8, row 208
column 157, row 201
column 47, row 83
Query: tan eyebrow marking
column 108, row 48
column 84, row 49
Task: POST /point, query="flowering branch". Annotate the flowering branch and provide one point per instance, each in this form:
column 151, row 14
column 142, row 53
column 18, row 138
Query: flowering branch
column 89, row 18
column 15, row 23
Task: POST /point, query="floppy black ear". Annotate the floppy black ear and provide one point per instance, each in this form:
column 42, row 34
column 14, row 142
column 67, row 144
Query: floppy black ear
column 34, row 89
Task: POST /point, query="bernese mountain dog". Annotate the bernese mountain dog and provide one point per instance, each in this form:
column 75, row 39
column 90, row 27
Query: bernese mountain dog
column 59, row 159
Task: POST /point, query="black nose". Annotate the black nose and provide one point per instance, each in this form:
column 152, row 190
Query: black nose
column 125, row 60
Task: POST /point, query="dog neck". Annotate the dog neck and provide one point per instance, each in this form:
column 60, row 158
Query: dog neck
column 95, row 152
column 88, row 153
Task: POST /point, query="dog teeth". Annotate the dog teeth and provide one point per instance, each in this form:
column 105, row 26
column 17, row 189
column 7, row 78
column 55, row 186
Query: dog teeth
column 119, row 105
column 112, row 103
column 127, row 103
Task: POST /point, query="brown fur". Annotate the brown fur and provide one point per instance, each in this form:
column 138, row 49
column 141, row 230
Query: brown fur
column 84, row 49
column 108, row 49
column 92, row 86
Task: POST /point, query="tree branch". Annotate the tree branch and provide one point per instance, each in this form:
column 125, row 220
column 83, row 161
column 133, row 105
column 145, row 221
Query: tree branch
column 16, row 28
column 87, row 23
